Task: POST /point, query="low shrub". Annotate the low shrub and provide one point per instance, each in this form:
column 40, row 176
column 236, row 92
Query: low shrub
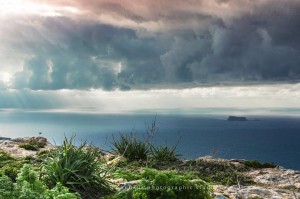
column 127, row 174
column 131, row 147
column 12, row 168
column 60, row 192
column 134, row 149
column 42, row 155
column 29, row 186
column 6, row 187
column 258, row 165
column 166, row 184
column 34, row 144
column 220, row 173
column 77, row 168
column 4, row 157
column 164, row 154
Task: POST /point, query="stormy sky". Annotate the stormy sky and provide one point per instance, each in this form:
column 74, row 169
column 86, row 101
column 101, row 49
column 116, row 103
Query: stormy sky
column 155, row 54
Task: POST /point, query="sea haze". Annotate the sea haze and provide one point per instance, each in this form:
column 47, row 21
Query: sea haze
column 265, row 138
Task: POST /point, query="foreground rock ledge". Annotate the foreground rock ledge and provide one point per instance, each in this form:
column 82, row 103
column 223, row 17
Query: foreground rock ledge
column 273, row 183
column 12, row 146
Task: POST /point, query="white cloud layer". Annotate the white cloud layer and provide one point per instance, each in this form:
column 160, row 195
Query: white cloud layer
column 269, row 96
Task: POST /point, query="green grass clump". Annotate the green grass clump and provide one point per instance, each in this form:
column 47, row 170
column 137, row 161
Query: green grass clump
column 166, row 184
column 77, row 168
column 9, row 165
column 127, row 174
column 29, row 186
column 6, row 187
column 134, row 149
column 131, row 147
column 12, row 168
column 5, row 156
column 164, row 154
column 219, row 173
column 29, row 147
column 258, row 165
column 33, row 144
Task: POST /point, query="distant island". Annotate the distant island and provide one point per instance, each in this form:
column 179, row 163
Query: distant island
column 236, row 118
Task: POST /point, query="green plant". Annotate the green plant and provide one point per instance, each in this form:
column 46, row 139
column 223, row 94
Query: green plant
column 34, row 144
column 29, row 186
column 258, row 165
column 12, row 168
column 42, row 155
column 164, row 153
column 4, row 157
column 131, row 147
column 29, row 147
column 219, row 172
column 6, row 187
column 60, row 192
column 77, row 168
column 128, row 174
column 166, row 184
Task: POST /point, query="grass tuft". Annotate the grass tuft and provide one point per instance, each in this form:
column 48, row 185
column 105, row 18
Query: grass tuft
column 34, row 144
column 164, row 154
column 131, row 147
column 258, row 165
column 78, row 169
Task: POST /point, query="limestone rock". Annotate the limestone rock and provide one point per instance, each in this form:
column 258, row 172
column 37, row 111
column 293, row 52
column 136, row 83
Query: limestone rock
column 127, row 185
column 277, row 177
column 116, row 160
column 253, row 192
column 12, row 146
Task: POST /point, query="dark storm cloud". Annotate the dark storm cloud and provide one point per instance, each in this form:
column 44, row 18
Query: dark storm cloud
column 86, row 55
column 254, row 47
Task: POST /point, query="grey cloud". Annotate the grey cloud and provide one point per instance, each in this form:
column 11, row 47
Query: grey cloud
column 2, row 86
column 254, row 48
column 73, row 55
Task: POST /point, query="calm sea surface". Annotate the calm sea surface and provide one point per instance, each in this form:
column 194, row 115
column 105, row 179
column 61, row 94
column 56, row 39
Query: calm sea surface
column 271, row 139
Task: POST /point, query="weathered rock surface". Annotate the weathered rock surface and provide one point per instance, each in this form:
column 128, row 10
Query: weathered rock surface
column 277, row 177
column 273, row 183
column 248, row 192
column 127, row 185
column 12, row 146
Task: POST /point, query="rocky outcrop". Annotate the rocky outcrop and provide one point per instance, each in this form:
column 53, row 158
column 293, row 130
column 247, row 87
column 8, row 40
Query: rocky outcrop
column 268, row 183
column 12, row 146
column 257, row 192
column 273, row 183
column 276, row 178
column 236, row 118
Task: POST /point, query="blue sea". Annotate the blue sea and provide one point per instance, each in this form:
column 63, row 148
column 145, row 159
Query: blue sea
column 264, row 138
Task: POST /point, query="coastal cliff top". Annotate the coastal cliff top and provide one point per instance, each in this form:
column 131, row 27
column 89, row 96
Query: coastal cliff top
column 23, row 147
column 228, row 178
